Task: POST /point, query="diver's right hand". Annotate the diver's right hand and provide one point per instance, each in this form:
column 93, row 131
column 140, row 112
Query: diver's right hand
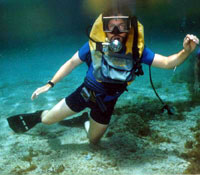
column 40, row 90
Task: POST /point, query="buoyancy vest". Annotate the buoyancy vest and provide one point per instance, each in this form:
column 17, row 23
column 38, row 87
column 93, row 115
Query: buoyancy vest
column 99, row 58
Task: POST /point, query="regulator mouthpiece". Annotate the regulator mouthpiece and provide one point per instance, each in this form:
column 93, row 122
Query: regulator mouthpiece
column 115, row 45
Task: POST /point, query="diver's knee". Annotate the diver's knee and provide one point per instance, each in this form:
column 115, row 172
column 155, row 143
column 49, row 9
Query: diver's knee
column 46, row 122
column 45, row 119
column 93, row 142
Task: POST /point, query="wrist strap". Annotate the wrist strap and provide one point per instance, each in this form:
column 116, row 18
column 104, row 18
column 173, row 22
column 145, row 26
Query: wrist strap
column 51, row 83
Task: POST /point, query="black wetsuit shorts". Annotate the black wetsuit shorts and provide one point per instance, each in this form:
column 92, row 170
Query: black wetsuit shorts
column 77, row 103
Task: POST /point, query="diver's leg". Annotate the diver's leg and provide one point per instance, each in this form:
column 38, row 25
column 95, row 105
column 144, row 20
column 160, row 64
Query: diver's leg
column 57, row 113
column 68, row 106
column 99, row 121
column 96, row 131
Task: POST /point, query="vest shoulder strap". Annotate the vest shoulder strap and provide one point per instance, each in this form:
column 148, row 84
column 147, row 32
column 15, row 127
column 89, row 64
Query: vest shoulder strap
column 135, row 49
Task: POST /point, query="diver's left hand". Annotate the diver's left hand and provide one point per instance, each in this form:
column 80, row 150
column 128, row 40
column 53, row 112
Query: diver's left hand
column 190, row 42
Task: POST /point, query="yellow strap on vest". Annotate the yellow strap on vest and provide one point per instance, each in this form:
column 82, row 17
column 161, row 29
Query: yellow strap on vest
column 99, row 35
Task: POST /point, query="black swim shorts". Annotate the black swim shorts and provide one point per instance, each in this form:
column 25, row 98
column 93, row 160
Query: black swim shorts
column 76, row 103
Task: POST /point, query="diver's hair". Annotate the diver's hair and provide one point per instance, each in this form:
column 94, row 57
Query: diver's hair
column 116, row 7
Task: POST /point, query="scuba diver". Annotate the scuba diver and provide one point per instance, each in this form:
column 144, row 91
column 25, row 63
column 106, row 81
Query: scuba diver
column 114, row 54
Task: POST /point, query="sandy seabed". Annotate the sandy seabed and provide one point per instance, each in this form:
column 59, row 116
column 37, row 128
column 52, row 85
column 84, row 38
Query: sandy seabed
column 124, row 150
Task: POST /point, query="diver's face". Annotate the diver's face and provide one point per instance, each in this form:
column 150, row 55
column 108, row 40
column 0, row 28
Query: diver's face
column 120, row 24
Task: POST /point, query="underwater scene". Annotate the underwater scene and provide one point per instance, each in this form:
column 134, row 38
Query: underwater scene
column 148, row 133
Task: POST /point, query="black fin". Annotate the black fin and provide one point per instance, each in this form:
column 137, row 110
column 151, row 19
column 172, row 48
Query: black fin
column 24, row 122
column 75, row 122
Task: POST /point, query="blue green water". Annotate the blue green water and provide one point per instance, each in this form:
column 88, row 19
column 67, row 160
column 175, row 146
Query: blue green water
column 37, row 37
column 24, row 70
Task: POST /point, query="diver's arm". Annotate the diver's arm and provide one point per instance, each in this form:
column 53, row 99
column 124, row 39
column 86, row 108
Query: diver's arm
column 170, row 62
column 64, row 70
